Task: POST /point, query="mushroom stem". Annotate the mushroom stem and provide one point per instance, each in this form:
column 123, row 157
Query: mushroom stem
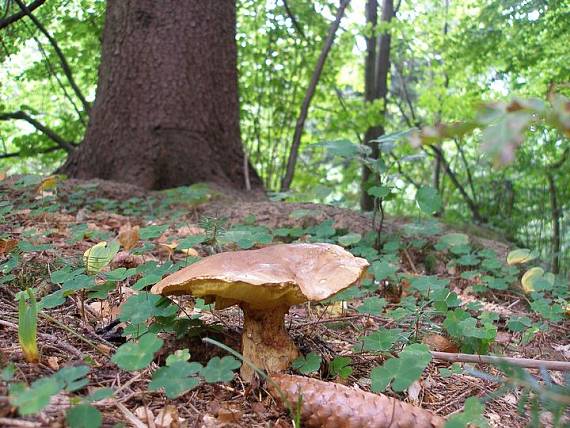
column 265, row 342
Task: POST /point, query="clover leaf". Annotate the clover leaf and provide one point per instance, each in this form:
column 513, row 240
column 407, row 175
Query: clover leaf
column 133, row 356
column 403, row 370
column 143, row 306
column 307, row 364
column 177, row 378
column 381, row 340
column 220, row 370
column 83, row 416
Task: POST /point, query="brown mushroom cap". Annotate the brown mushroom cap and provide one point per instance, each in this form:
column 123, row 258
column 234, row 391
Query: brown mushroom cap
column 283, row 274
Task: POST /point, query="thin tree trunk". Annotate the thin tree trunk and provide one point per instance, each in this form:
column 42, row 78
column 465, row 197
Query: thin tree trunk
column 377, row 68
column 555, row 219
column 293, row 154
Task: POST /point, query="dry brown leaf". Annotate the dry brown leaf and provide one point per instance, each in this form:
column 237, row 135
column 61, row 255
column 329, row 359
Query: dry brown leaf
column 7, row 245
column 166, row 250
column 436, row 342
column 53, row 363
column 229, row 416
column 2, row 175
column 168, row 418
column 414, row 391
column 144, row 414
column 127, row 260
column 129, row 237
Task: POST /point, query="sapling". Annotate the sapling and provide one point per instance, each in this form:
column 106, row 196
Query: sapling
column 28, row 327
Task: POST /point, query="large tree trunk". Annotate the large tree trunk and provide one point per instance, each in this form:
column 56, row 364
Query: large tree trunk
column 166, row 111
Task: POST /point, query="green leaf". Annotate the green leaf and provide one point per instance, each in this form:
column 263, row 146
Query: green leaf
column 220, row 370
column 383, row 270
column 99, row 394
column 379, row 192
column 179, row 355
column 403, row 370
column 140, row 307
column 177, row 378
column 72, row 378
column 382, row 340
column 468, row 260
column 307, row 364
column 83, row 416
column 428, row 200
column 191, row 241
column 452, row 240
column 340, row 366
column 472, row 415
column 133, row 356
column 349, row 239
column 372, row 305
column 519, row 323
column 427, row 284
column 30, row 400
column 152, row 232
column 99, row 256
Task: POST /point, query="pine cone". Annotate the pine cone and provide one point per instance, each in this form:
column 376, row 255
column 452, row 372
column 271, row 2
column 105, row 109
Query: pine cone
column 331, row 405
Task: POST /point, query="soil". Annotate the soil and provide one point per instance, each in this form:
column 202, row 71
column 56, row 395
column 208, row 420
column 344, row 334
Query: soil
column 75, row 334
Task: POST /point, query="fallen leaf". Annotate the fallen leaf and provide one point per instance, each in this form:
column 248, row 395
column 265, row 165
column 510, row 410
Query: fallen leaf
column 168, row 418
column 190, row 252
column 129, row 237
column 48, row 183
column 144, row 414
column 7, row 245
column 53, row 363
column 414, row 391
column 436, row 342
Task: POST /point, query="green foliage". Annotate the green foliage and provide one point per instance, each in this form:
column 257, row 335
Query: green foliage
column 134, row 356
column 307, row 363
column 401, row 371
column 176, row 378
column 472, row 414
column 340, row 366
column 32, row 399
column 28, row 327
column 382, row 340
column 83, row 416
column 220, row 369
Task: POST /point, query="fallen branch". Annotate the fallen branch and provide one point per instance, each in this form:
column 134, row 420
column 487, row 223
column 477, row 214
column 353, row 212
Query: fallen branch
column 19, row 15
column 51, row 134
column 563, row 366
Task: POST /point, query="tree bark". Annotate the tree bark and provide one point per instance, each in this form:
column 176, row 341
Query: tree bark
column 166, row 110
column 377, row 68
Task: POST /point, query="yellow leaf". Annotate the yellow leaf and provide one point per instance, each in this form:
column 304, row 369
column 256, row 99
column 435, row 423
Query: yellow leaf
column 530, row 277
column 99, row 256
column 520, row 256
column 48, row 183
column 190, row 252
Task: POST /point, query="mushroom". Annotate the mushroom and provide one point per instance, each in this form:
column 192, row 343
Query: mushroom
column 265, row 283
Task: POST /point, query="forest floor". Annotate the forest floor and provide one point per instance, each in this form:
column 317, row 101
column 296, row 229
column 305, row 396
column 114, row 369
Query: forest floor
column 53, row 224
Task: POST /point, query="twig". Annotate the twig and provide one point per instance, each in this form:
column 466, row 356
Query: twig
column 19, row 15
column 412, row 265
column 130, row 416
column 64, row 64
column 491, row 359
column 74, row 333
column 51, row 134
column 65, row 346
column 17, row 423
